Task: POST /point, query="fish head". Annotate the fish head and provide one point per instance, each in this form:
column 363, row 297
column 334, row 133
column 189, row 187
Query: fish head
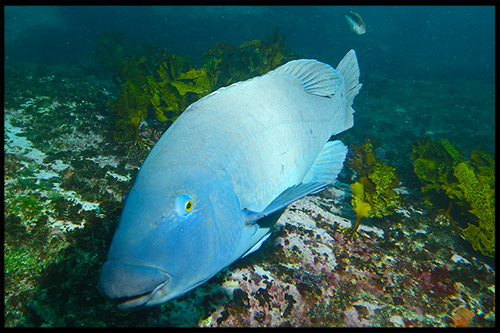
column 359, row 29
column 177, row 230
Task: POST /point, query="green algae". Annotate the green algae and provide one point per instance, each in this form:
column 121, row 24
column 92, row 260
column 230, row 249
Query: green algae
column 163, row 85
column 468, row 184
column 373, row 190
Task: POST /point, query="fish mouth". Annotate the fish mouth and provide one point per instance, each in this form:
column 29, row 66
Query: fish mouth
column 132, row 286
column 138, row 302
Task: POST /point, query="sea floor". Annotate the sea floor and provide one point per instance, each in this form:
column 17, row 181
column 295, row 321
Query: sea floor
column 65, row 177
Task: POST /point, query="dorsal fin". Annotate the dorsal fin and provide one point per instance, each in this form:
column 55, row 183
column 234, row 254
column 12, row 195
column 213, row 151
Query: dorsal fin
column 316, row 77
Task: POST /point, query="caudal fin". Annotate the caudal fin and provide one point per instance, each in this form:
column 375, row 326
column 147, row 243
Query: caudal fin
column 349, row 71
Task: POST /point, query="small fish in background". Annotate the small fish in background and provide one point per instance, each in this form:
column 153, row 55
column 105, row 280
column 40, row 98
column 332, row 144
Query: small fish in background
column 355, row 23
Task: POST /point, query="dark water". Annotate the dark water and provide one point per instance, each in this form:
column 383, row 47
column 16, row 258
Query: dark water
column 455, row 42
column 427, row 71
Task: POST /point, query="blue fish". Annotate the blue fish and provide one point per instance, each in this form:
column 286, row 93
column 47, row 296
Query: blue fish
column 227, row 166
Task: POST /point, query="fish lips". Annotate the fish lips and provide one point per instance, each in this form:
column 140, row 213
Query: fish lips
column 131, row 286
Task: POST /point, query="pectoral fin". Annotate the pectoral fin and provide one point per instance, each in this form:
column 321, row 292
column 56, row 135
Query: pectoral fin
column 328, row 164
column 257, row 245
column 323, row 172
column 264, row 221
column 291, row 194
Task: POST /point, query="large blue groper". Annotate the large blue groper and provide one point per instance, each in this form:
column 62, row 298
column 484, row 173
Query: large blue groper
column 233, row 158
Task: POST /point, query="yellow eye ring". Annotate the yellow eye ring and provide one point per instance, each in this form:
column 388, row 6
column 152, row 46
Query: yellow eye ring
column 184, row 204
column 188, row 206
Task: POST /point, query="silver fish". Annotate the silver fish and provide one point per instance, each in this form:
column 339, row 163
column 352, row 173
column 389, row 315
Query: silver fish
column 228, row 166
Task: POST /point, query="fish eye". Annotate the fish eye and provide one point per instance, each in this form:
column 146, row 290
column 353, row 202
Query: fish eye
column 184, row 204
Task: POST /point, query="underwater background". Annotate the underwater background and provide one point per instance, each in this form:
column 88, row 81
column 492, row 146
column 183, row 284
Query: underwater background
column 89, row 90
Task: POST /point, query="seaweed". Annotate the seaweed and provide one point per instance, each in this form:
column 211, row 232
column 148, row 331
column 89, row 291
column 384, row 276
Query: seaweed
column 167, row 84
column 359, row 203
column 109, row 52
column 479, row 192
column 130, row 108
column 384, row 199
column 226, row 63
column 468, row 185
column 433, row 165
column 160, row 82
column 373, row 190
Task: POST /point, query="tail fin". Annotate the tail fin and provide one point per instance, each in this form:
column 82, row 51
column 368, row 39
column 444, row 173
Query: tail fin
column 349, row 71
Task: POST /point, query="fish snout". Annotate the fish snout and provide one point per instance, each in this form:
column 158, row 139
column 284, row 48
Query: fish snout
column 131, row 285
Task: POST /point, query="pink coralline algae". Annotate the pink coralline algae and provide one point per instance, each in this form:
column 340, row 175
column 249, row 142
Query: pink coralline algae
column 260, row 301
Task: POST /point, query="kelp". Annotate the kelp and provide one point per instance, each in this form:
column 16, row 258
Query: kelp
column 479, row 191
column 167, row 84
column 468, row 184
column 226, row 63
column 130, row 108
column 109, row 52
column 373, row 190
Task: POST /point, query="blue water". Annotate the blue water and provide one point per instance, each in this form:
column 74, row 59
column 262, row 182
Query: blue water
column 419, row 41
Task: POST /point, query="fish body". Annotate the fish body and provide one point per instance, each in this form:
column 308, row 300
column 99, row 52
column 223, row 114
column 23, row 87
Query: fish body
column 232, row 160
column 355, row 23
